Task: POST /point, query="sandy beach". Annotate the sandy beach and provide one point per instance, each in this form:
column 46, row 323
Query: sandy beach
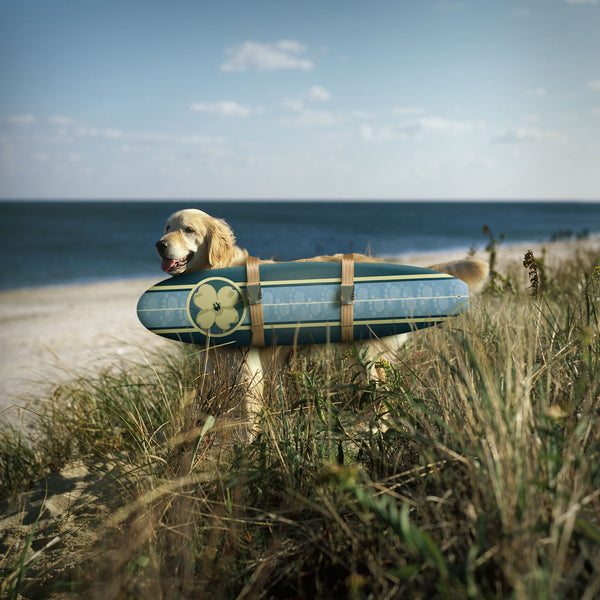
column 51, row 333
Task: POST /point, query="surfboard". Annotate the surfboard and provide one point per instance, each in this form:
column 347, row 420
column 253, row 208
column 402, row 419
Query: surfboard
column 301, row 303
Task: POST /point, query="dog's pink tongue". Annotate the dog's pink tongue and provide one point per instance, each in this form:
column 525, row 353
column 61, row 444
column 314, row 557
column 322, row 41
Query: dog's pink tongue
column 167, row 264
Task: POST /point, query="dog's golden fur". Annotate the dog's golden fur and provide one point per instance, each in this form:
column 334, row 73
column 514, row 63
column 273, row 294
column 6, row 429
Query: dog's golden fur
column 195, row 241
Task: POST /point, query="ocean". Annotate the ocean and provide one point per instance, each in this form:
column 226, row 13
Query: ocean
column 50, row 243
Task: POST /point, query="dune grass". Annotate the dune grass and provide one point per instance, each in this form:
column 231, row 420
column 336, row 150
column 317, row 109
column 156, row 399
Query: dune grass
column 472, row 472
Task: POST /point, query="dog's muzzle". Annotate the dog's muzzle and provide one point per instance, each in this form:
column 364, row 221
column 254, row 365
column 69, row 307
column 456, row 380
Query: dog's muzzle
column 170, row 264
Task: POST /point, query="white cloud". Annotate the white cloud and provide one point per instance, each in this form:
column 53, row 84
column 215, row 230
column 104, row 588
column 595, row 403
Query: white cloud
column 225, row 108
column 581, row 1
column 306, row 117
column 536, row 91
column 440, row 125
column 291, row 46
column 151, row 138
column 361, row 114
column 57, row 159
column 318, row 93
column 165, row 138
column 296, row 104
column 518, row 135
column 408, row 111
column 21, row 119
column 93, row 132
column 594, row 85
column 413, row 128
column 383, row 134
column 60, row 120
column 72, row 131
column 255, row 56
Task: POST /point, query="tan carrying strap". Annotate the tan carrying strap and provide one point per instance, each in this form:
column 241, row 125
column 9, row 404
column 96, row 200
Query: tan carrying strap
column 347, row 299
column 255, row 301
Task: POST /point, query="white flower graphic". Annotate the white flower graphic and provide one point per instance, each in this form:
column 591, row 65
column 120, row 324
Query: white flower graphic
column 216, row 308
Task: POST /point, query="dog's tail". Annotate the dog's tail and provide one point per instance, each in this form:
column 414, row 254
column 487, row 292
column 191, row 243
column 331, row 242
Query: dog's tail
column 472, row 271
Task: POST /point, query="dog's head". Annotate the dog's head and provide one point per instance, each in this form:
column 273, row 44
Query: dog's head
column 195, row 241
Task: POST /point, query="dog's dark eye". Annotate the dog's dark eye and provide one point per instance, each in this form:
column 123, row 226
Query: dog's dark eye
column 189, row 229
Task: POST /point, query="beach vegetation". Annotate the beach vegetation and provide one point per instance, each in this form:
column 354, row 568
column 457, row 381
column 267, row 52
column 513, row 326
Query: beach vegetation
column 471, row 472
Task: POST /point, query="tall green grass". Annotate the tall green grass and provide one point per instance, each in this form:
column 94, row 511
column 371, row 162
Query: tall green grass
column 472, row 472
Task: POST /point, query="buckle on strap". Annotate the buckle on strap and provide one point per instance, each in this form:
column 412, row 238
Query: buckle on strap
column 254, row 293
column 347, row 294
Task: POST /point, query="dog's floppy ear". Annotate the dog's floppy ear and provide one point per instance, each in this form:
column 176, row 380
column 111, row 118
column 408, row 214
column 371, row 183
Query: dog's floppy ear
column 220, row 243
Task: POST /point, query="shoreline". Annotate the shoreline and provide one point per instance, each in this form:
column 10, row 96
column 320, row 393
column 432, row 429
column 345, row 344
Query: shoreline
column 52, row 333
column 418, row 258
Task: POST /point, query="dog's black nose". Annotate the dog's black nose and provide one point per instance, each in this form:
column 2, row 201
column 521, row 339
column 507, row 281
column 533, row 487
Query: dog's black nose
column 161, row 246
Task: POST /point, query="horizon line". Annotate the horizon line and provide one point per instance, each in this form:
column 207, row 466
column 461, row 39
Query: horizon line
column 299, row 199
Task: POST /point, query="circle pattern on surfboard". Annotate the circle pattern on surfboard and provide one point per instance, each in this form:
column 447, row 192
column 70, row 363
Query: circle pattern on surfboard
column 216, row 307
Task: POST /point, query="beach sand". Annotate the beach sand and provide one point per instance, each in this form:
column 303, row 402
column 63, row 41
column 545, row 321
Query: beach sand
column 52, row 333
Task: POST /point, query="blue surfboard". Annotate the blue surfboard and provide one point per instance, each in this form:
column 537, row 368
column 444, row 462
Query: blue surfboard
column 301, row 303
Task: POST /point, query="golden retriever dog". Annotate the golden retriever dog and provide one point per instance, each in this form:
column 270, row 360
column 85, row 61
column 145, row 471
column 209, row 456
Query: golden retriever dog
column 195, row 241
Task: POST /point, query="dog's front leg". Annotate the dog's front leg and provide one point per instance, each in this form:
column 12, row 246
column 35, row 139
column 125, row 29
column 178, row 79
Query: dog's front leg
column 253, row 382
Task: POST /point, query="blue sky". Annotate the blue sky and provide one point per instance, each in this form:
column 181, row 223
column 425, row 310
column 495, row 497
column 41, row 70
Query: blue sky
column 403, row 99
